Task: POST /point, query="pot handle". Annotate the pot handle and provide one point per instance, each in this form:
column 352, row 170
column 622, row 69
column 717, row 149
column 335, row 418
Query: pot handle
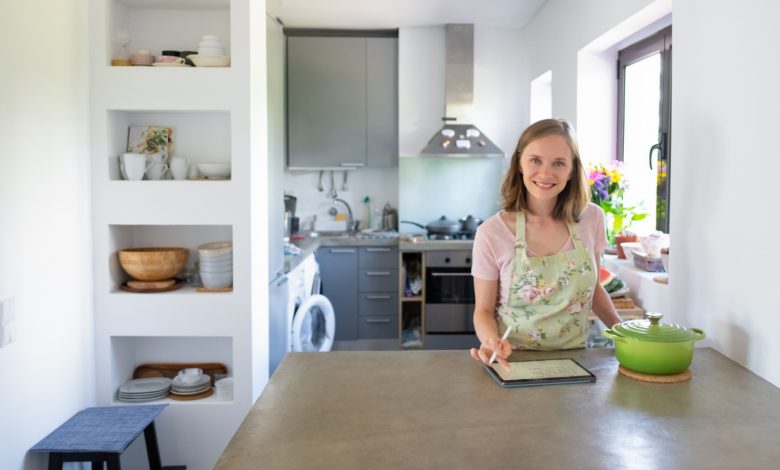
column 699, row 333
column 609, row 333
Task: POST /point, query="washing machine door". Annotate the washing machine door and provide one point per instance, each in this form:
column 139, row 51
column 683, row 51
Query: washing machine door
column 314, row 325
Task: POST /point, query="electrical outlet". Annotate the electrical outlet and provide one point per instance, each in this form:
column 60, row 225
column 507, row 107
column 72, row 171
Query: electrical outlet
column 7, row 310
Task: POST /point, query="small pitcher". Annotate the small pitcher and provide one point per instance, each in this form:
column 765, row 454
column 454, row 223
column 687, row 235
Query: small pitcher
column 179, row 167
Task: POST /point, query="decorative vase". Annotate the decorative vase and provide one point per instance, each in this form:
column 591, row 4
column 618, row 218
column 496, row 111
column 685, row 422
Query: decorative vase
column 622, row 238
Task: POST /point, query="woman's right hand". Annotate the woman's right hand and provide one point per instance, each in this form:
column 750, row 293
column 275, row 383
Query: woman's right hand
column 500, row 346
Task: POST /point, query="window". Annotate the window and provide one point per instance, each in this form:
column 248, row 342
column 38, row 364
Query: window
column 644, row 126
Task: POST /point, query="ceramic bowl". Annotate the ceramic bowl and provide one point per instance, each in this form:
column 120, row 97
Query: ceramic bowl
column 211, row 51
column 214, row 170
column 216, row 266
column 216, row 280
column 153, row 264
column 142, row 59
column 209, row 61
column 216, row 249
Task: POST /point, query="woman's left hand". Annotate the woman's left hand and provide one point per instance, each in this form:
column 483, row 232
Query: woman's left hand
column 502, row 349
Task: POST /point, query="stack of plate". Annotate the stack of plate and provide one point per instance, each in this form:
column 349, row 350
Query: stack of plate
column 152, row 388
column 180, row 387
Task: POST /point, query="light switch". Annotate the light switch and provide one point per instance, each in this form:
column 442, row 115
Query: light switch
column 7, row 310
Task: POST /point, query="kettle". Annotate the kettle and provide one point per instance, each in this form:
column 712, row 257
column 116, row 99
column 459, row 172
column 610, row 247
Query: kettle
column 389, row 218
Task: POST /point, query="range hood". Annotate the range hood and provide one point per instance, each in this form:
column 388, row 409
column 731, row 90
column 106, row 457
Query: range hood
column 457, row 137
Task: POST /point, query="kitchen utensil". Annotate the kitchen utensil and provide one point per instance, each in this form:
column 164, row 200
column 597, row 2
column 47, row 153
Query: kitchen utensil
column 332, row 192
column 469, row 223
column 320, row 188
column 443, row 226
column 389, row 218
column 344, row 186
column 651, row 346
column 154, row 263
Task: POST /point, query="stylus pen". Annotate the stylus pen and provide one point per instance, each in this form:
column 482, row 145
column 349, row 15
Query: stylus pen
column 506, row 335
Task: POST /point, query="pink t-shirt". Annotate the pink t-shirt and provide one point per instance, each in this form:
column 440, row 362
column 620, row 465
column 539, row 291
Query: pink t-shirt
column 494, row 247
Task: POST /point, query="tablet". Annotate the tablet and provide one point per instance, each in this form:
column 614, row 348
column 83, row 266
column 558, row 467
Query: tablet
column 540, row 372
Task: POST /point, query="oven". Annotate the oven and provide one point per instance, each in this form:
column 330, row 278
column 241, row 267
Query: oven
column 449, row 293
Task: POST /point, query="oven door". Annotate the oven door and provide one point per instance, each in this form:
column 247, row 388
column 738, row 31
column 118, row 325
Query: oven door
column 449, row 300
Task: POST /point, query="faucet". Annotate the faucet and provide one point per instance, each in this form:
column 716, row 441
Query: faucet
column 352, row 225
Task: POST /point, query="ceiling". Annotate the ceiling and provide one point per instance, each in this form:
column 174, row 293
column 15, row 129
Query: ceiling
column 379, row 14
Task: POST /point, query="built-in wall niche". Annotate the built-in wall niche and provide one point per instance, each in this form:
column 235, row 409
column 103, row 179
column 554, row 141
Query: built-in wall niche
column 158, row 25
column 200, row 136
column 144, row 236
column 129, row 352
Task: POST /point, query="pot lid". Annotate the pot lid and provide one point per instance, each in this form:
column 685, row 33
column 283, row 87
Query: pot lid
column 652, row 328
column 443, row 222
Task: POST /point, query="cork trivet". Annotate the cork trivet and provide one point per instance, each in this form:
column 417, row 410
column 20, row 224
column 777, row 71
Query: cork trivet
column 197, row 396
column 661, row 379
column 224, row 289
column 151, row 284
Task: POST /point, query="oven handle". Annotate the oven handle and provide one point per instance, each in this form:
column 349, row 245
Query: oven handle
column 450, row 274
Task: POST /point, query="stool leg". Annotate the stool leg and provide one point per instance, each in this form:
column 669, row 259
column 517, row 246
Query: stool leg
column 152, row 451
column 113, row 462
column 55, row 461
column 97, row 463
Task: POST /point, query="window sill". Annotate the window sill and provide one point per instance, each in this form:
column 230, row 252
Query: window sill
column 646, row 293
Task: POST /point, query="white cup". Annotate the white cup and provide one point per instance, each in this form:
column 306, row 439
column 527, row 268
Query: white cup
column 179, row 167
column 157, row 167
column 190, row 375
column 133, row 166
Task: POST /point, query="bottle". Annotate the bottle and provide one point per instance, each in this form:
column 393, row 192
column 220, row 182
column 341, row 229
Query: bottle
column 376, row 219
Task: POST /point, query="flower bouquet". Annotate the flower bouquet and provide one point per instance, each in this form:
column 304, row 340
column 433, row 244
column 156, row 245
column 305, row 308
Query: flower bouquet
column 607, row 189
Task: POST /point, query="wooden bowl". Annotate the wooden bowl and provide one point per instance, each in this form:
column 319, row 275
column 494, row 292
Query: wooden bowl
column 153, row 264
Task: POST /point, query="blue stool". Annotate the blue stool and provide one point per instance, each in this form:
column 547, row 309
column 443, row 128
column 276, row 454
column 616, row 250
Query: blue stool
column 101, row 434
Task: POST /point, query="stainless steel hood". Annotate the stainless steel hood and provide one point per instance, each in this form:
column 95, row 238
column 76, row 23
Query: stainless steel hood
column 458, row 137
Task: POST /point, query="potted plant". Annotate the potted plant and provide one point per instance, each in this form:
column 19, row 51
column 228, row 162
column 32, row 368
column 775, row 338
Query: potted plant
column 607, row 189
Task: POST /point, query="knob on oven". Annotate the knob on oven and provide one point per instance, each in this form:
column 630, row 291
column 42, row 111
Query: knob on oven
column 468, row 260
column 447, row 260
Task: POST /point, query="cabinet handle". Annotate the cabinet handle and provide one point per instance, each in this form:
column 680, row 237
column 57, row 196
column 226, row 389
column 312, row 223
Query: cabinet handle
column 378, row 297
column 451, row 274
column 377, row 273
column 377, row 320
column 352, row 164
column 342, row 250
column 378, row 250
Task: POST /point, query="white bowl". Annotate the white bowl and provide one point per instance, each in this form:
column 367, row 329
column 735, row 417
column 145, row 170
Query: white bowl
column 216, row 267
column 209, row 61
column 211, row 51
column 216, row 249
column 214, row 170
column 216, row 280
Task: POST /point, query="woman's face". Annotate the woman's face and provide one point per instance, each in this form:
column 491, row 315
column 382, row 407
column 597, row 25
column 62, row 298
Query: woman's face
column 546, row 165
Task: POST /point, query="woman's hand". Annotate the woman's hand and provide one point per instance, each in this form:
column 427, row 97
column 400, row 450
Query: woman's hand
column 486, row 349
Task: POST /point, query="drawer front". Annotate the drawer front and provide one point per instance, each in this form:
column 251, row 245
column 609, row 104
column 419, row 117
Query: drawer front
column 377, row 303
column 378, row 280
column 378, row 257
column 379, row 327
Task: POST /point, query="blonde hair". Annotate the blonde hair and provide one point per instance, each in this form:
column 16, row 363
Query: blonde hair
column 574, row 197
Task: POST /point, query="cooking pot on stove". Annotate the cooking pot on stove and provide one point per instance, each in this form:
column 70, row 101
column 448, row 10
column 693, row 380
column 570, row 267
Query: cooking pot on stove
column 469, row 224
column 651, row 346
column 440, row 226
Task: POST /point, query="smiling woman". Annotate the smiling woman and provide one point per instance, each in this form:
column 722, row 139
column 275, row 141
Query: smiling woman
column 537, row 255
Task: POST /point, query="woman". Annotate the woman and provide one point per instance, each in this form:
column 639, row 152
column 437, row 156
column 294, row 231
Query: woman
column 535, row 263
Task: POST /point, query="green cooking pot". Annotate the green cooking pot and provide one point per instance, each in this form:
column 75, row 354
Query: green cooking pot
column 651, row 346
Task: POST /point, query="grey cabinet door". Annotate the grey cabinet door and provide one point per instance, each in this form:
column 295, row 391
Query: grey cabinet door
column 382, row 105
column 339, row 274
column 326, row 101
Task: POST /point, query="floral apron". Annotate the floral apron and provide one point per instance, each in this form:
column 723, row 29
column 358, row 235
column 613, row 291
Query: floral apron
column 549, row 296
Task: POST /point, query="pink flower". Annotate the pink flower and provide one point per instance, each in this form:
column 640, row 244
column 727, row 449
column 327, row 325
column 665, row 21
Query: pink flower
column 529, row 293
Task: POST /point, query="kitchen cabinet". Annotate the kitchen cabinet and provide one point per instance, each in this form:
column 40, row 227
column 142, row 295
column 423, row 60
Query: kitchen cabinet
column 342, row 101
column 378, row 293
column 210, row 114
column 339, row 273
column 362, row 285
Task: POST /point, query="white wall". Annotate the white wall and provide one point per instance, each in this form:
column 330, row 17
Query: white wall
column 725, row 75
column 47, row 374
column 725, row 94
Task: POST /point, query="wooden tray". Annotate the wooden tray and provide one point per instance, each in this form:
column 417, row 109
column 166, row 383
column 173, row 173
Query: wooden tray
column 171, row 369
column 175, row 286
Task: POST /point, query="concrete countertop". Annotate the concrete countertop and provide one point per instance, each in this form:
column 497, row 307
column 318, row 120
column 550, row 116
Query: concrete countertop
column 439, row 409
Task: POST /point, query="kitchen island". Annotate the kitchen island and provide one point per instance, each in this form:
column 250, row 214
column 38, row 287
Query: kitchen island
column 440, row 409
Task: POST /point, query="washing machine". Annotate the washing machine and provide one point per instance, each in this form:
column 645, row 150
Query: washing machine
column 311, row 320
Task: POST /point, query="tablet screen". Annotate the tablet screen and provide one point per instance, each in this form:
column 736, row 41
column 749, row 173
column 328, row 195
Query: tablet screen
column 541, row 371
